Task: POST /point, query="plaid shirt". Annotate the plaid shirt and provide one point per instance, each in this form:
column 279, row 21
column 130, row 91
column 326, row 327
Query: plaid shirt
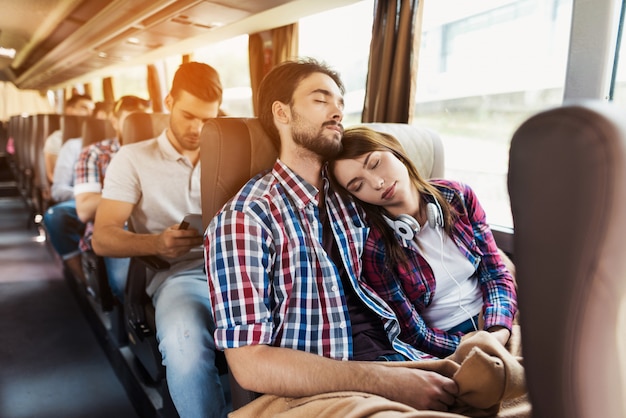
column 89, row 176
column 92, row 164
column 410, row 291
column 270, row 280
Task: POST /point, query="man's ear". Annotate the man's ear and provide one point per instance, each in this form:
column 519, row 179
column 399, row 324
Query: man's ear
column 281, row 112
column 169, row 102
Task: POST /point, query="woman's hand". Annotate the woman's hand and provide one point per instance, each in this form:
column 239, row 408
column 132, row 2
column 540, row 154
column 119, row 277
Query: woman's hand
column 502, row 334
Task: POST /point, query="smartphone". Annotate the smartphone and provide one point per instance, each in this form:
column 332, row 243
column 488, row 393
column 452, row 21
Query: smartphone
column 192, row 220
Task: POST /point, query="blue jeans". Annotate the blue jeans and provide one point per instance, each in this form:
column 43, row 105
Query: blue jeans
column 117, row 272
column 64, row 228
column 185, row 334
column 466, row 326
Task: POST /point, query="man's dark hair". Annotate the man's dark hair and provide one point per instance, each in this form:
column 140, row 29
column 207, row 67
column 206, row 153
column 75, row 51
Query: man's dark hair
column 130, row 104
column 77, row 98
column 199, row 79
column 279, row 85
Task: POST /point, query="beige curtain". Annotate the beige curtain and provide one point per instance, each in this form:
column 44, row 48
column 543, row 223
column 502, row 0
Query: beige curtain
column 107, row 90
column 390, row 89
column 87, row 88
column 154, row 89
column 267, row 49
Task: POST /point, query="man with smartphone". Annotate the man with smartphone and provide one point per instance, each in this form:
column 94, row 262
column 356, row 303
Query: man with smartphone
column 153, row 184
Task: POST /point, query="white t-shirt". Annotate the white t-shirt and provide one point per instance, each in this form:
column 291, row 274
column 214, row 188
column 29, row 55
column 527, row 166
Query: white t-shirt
column 163, row 185
column 53, row 143
column 457, row 295
column 63, row 179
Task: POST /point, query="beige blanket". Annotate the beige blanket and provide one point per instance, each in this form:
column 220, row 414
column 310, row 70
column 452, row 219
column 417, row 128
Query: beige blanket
column 490, row 379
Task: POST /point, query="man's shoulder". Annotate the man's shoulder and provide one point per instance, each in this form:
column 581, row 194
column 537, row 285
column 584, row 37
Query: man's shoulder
column 147, row 147
column 256, row 190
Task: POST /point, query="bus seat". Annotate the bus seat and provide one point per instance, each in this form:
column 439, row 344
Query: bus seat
column 567, row 185
column 235, row 149
column 46, row 124
column 139, row 126
column 427, row 153
column 72, row 126
column 96, row 130
column 138, row 309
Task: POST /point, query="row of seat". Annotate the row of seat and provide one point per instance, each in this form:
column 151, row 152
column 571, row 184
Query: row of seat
column 567, row 185
column 29, row 133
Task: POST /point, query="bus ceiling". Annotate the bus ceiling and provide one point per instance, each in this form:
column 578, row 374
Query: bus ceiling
column 46, row 44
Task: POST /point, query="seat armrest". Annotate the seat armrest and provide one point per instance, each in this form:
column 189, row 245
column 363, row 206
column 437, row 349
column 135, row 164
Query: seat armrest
column 154, row 262
column 136, row 297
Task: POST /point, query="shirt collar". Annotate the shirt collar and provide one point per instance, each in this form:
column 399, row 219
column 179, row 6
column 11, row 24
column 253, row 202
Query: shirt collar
column 299, row 190
column 167, row 148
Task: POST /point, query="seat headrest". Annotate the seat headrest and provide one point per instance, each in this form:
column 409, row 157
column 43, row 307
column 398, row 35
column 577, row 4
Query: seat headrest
column 140, row 126
column 232, row 151
column 72, row 126
column 423, row 146
column 235, row 149
column 96, row 130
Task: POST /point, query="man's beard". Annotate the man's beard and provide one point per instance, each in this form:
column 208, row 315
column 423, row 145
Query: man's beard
column 313, row 140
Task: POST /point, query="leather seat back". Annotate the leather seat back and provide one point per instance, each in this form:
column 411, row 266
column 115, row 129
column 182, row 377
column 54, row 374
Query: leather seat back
column 72, row 126
column 96, row 130
column 140, row 126
column 567, row 184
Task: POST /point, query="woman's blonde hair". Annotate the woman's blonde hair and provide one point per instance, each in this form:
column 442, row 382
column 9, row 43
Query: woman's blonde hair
column 361, row 140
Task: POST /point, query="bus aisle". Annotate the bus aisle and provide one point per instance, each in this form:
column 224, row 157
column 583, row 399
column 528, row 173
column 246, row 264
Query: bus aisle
column 51, row 364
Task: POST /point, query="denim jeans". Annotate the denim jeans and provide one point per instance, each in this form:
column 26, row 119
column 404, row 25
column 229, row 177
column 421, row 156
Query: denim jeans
column 117, row 272
column 185, row 334
column 466, row 326
column 64, row 228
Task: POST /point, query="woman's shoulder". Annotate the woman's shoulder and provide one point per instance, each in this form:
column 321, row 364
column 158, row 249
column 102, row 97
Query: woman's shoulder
column 451, row 187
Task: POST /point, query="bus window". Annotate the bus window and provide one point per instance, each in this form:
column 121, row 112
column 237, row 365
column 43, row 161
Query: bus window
column 484, row 67
column 131, row 81
column 230, row 59
column 619, row 87
column 344, row 44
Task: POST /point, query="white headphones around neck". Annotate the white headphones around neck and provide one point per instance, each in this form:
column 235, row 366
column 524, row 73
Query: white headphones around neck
column 407, row 227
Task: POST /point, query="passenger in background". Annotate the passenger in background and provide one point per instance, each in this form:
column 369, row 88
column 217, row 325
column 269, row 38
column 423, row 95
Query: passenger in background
column 153, row 184
column 61, row 221
column 103, row 110
column 430, row 253
column 90, row 170
column 284, row 270
column 78, row 104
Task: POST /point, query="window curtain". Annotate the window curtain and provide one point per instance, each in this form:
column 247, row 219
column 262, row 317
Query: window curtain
column 154, row 89
column 267, row 49
column 107, row 90
column 392, row 69
column 87, row 89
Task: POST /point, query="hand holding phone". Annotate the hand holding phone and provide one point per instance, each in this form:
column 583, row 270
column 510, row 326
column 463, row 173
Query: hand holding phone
column 192, row 220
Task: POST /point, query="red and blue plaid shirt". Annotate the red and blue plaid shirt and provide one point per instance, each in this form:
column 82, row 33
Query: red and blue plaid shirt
column 89, row 176
column 270, row 279
column 410, row 291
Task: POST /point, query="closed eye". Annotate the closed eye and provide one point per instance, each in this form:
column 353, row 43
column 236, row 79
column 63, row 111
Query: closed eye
column 355, row 187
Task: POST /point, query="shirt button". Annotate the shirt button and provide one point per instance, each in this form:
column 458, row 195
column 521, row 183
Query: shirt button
column 334, row 288
column 342, row 325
